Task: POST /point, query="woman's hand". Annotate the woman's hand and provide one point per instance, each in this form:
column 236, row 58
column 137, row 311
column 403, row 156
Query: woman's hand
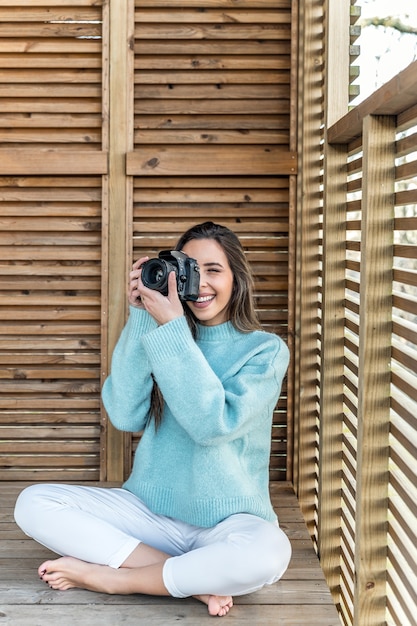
column 162, row 308
column 133, row 291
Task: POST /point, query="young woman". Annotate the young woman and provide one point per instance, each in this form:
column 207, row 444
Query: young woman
column 201, row 379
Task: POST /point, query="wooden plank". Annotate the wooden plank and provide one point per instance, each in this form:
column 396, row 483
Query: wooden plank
column 225, row 4
column 212, row 16
column 198, row 182
column 292, row 242
column 70, row 76
column 374, row 376
column 42, row 121
column 243, row 122
column 50, row 105
column 396, row 96
column 29, row 161
column 211, row 160
column 253, row 226
column 55, row 138
column 205, row 60
column 50, row 3
column 44, row 29
column 92, row 182
column 42, row 47
column 31, row 13
column 273, row 53
column 332, row 354
column 154, row 3
column 338, row 62
column 244, row 195
column 208, row 31
column 117, row 253
column 216, row 77
column 307, row 271
column 172, row 91
column 27, row 418
column 165, row 614
column 50, row 223
column 36, row 90
column 46, row 58
column 221, row 107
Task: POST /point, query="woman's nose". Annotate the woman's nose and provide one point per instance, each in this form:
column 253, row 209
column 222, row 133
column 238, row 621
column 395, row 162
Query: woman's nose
column 203, row 278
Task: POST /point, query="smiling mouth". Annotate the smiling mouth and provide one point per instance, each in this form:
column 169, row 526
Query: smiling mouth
column 205, row 299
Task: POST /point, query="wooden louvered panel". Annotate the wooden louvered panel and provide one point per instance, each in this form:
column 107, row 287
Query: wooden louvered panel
column 51, row 189
column 50, row 313
column 51, row 69
column 212, row 140
column 192, row 88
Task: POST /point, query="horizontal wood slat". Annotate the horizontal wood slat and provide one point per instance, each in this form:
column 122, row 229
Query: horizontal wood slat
column 29, row 161
column 211, row 160
column 396, row 95
column 214, row 4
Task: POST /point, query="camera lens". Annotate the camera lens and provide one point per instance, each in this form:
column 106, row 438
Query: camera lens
column 155, row 275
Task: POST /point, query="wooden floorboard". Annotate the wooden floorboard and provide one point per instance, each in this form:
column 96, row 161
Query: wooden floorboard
column 301, row 598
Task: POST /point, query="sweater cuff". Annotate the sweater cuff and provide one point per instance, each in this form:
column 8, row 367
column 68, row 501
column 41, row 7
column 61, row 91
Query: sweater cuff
column 168, row 340
column 140, row 322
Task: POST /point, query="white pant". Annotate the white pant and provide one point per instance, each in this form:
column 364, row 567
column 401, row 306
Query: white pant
column 237, row 556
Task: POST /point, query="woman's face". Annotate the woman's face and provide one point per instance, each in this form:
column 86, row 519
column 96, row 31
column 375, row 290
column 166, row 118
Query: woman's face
column 216, row 281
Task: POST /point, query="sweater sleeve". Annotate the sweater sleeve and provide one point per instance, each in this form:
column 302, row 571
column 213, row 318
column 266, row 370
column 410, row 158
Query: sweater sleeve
column 213, row 410
column 126, row 391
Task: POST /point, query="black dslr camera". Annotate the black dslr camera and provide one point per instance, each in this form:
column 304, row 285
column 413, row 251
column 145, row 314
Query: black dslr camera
column 155, row 274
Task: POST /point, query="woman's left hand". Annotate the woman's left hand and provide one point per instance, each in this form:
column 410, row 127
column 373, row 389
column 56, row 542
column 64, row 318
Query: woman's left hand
column 162, row 308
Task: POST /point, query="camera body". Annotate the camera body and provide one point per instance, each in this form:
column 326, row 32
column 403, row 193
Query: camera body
column 155, row 274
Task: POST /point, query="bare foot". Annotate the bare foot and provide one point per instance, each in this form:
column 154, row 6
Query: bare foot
column 66, row 573
column 217, row 605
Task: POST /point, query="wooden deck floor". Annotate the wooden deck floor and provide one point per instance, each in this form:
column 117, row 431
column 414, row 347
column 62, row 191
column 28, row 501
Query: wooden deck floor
column 301, row 598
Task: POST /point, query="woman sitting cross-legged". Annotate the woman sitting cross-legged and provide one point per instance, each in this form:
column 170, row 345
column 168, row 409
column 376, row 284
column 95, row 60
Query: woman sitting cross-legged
column 201, row 379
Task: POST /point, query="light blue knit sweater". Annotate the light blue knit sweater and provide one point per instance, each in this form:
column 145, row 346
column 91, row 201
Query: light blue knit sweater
column 210, row 457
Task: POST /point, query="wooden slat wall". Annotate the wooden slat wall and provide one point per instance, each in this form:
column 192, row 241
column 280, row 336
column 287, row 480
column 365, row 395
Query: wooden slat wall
column 368, row 400
column 309, row 219
column 51, row 166
column 402, row 487
column 201, row 99
column 212, row 140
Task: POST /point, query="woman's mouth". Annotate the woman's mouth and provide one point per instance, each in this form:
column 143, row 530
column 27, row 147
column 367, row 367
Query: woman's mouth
column 203, row 300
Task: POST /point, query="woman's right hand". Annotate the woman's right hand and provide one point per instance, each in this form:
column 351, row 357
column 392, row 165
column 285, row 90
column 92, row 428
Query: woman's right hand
column 134, row 276
column 162, row 308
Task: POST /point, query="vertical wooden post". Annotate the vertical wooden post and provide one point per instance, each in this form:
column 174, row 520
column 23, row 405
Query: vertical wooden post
column 121, row 18
column 104, row 233
column 337, row 59
column 332, row 360
column 333, row 294
column 292, row 243
column 310, row 135
column 374, row 370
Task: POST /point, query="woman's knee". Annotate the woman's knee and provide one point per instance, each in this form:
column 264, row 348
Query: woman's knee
column 271, row 552
column 262, row 554
column 27, row 506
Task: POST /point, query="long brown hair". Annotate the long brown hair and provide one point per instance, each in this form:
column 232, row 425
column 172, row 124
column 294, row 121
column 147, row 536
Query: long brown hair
column 241, row 308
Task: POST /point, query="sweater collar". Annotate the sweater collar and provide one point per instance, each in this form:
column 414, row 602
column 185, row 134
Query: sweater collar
column 216, row 333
